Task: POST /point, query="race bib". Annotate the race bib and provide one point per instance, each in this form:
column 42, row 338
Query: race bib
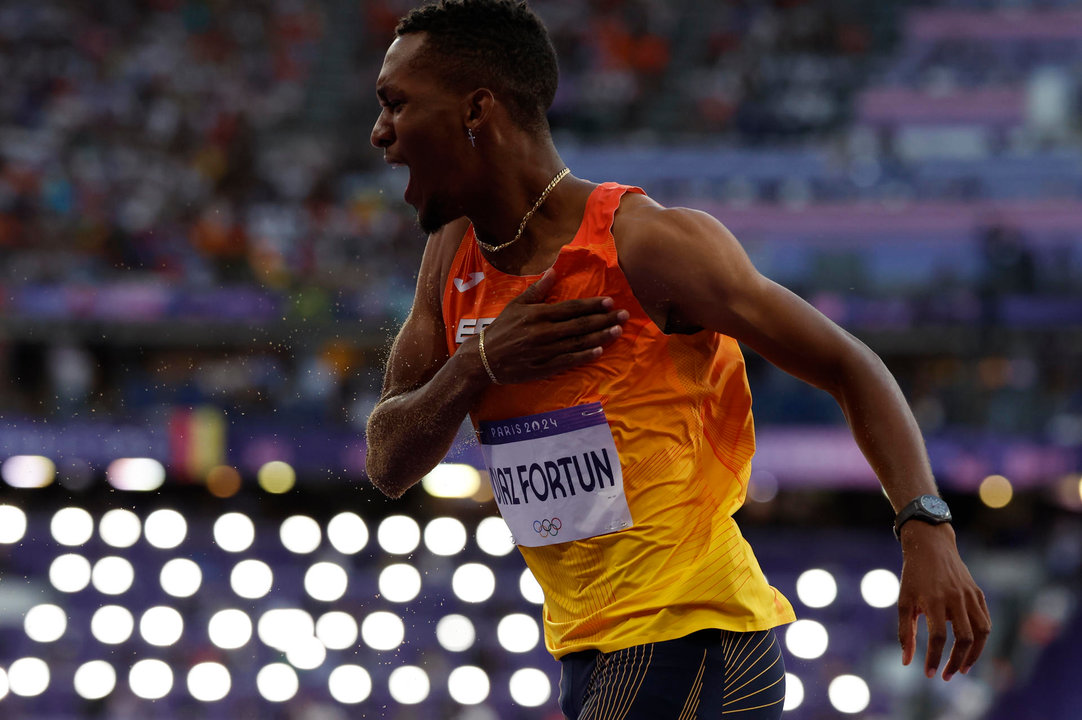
column 556, row 476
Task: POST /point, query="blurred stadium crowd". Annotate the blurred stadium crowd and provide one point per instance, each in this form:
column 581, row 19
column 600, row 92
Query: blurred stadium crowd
column 191, row 216
column 168, row 162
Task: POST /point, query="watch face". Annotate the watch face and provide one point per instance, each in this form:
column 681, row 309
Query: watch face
column 935, row 506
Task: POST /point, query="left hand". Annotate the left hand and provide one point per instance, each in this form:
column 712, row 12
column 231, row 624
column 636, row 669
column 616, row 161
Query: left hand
column 937, row 584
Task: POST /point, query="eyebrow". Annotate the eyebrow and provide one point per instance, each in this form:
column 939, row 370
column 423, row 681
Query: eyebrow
column 382, row 88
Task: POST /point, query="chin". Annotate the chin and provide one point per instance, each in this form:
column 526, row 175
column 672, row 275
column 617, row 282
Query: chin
column 431, row 217
column 429, row 224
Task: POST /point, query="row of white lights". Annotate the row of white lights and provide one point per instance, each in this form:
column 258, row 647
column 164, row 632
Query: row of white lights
column 847, row 693
column 292, row 631
column 153, row 679
column 145, row 474
column 817, row 588
column 324, row 581
column 234, row 532
column 35, row 471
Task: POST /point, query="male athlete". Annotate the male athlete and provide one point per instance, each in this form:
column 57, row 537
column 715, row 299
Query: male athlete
column 591, row 335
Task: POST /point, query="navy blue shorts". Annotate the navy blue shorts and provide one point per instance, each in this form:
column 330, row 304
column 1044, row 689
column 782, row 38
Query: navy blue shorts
column 706, row 675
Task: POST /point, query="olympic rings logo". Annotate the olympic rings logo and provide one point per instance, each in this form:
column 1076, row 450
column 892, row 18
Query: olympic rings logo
column 544, row 528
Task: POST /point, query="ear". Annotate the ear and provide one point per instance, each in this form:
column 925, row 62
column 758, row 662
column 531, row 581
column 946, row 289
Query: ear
column 480, row 106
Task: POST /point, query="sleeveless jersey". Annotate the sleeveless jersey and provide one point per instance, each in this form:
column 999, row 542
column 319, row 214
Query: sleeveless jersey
column 679, row 411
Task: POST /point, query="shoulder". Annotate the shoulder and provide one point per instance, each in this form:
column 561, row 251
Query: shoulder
column 644, row 227
column 676, row 257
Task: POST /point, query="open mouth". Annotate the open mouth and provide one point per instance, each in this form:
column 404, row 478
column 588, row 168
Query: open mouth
column 396, row 163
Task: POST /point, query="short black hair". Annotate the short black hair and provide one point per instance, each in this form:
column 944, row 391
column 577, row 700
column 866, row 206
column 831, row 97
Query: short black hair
column 499, row 44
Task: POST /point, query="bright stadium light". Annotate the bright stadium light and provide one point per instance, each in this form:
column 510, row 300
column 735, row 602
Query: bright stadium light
column 880, row 588
column 348, row 533
column 251, row 579
column 473, row 583
column 400, row 582
column 468, row 685
column 398, row 535
column 282, row 628
column 28, row 471
column 135, row 474
column 45, row 623
column 112, row 624
column 452, row 480
column 350, row 684
column 530, row 687
column 530, row 588
column 849, row 694
column 383, row 631
column 456, row 633
column 277, row 682
column 12, row 524
column 4, row 686
column 277, row 477
column 494, row 537
column 794, row 692
column 816, row 588
column 223, row 481
column 94, row 680
column 337, row 630
column 408, row 684
column 165, row 529
column 306, row 654
column 445, row 536
column 70, row 573
column 230, row 629
column 28, row 677
column 300, row 534
column 326, row 581
column 209, row 681
column 807, row 639
column 234, row 532
column 112, row 575
column 120, row 528
column 161, row 626
column 518, row 633
column 150, row 679
column 72, row 526
column 996, row 491
column 181, row 577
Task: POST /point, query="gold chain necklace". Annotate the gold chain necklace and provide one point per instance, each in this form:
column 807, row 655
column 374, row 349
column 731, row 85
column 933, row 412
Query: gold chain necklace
column 525, row 218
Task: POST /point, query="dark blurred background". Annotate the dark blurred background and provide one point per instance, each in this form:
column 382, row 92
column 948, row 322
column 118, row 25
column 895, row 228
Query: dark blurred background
column 203, row 261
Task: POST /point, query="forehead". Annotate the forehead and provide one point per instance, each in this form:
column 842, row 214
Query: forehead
column 399, row 67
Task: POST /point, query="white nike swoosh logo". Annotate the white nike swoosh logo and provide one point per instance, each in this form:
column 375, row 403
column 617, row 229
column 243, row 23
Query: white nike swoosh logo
column 464, row 285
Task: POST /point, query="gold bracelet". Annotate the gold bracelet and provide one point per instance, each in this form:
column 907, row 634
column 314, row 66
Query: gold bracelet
column 484, row 359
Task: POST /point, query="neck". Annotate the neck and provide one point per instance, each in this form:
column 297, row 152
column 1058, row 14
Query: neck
column 508, row 188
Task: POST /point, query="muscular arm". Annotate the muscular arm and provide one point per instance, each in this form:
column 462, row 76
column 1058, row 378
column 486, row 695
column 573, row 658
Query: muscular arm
column 426, row 393
column 707, row 281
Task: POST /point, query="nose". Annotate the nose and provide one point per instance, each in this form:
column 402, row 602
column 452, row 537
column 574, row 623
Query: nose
column 382, row 133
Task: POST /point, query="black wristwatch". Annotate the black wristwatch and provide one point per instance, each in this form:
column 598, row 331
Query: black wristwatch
column 926, row 508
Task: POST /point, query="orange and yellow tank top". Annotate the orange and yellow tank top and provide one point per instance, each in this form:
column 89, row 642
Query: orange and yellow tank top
column 619, row 478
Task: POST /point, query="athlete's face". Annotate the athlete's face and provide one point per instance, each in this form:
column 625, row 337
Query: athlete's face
column 420, row 126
